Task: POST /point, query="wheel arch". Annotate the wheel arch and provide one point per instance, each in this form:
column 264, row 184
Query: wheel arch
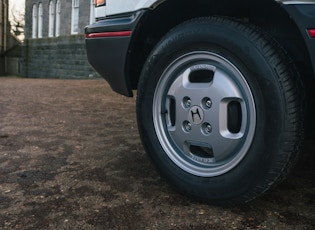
column 158, row 21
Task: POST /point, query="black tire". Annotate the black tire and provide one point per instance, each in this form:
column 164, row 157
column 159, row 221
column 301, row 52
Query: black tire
column 219, row 110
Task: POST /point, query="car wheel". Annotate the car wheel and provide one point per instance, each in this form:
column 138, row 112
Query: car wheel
column 219, row 110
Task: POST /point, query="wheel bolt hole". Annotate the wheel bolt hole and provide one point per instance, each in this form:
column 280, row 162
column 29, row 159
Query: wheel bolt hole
column 187, row 126
column 206, row 128
column 206, row 103
column 186, row 102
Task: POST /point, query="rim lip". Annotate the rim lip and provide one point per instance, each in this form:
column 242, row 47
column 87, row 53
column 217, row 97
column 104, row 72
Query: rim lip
column 170, row 74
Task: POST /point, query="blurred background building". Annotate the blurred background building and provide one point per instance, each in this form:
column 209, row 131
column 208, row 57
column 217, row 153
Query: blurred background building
column 54, row 45
column 10, row 49
column 4, row 30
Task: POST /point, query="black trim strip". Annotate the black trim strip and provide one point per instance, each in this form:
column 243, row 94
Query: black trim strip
column 128, row 22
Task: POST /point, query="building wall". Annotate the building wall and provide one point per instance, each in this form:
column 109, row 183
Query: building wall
column 62, row 56
column 4, row 33
column 66, row 14
column 1, row 26
column 1, row 37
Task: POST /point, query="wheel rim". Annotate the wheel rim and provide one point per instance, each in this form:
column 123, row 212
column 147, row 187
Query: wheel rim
column 204, row 114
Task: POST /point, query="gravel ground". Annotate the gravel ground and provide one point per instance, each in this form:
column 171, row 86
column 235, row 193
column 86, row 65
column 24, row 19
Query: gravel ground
column 71, row 158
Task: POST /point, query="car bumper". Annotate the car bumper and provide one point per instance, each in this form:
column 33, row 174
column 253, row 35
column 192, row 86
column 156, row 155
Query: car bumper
column 304, row 17
column 107, row 43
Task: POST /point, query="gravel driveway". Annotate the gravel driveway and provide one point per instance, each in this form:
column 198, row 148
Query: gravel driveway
column 71, row 158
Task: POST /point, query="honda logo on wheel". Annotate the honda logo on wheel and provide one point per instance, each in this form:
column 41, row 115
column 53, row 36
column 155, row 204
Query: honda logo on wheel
column 196, row 115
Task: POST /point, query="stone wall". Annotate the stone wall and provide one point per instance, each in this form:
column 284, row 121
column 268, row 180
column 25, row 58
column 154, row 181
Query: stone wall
column 60, row 57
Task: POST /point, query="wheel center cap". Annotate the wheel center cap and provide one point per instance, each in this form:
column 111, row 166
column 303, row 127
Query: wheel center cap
column 195, row 115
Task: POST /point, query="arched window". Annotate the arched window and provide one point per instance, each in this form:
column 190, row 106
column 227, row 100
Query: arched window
column 34, row 22
column 75, row 17
column 40, row 20
column 92, row 12
column 51, row 19
column 58, row 12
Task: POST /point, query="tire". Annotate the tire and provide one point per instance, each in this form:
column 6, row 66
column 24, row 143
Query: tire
column 219, row 110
